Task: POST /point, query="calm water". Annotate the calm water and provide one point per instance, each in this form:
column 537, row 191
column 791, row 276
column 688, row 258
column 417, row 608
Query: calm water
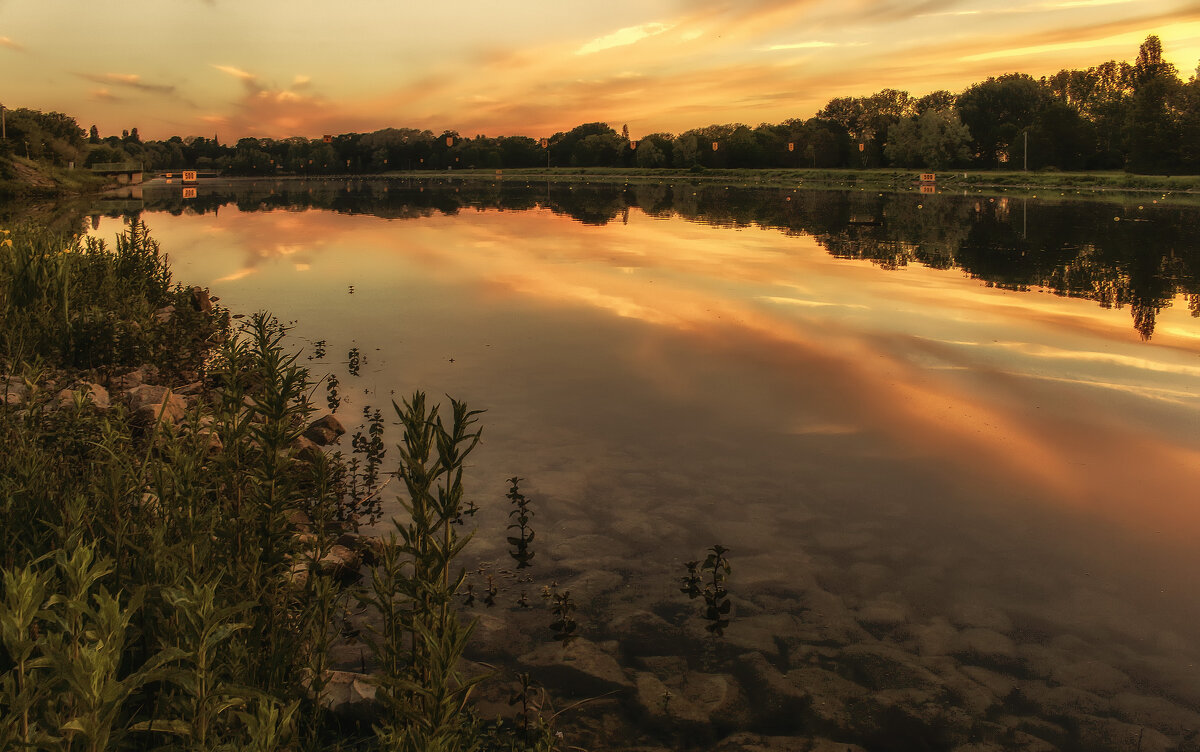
column 927, row 406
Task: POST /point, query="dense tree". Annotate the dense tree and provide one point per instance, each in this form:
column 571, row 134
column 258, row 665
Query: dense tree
column 997, row 112
column 937, row 140
column 1153, row 119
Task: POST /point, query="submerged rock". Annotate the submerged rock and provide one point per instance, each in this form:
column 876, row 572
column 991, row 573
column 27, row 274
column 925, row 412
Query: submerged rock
column 349, row 695
column 776, row 703
column 644, row 633
column 665, row 709
column 339, row 561
column 580, row 668
column 324, row 431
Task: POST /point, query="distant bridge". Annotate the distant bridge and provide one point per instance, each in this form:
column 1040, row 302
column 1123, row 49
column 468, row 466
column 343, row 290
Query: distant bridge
column 127, row 173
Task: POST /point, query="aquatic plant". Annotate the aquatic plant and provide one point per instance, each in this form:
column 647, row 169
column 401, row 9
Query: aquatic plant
column 563, row 608
column 520, row 515
column 716, row 597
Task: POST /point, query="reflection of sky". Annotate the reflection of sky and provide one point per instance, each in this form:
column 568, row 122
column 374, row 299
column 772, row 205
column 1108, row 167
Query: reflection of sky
column 1030, row 395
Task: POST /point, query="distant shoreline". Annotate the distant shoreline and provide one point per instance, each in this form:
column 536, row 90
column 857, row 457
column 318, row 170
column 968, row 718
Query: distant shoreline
column 1091, row 185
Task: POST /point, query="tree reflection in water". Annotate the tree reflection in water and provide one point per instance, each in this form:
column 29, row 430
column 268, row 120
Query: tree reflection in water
column 1118, row 255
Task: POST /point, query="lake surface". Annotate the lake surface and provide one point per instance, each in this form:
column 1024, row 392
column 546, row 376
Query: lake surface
column 962, row 432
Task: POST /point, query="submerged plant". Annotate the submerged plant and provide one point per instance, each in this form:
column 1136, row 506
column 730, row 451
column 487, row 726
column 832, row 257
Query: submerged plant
column 563, row 608
column 520, row 515
column 716, row 597
column 332, row 398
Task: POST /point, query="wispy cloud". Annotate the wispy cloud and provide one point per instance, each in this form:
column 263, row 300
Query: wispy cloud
column 1086, row 3
column 800, row 46
column 236, row 72
column 129, row 81
column 104, row 95
column 622, row 37
column 10, row 44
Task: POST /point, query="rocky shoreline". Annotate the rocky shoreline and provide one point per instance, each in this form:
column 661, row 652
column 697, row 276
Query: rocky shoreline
column 799, row 669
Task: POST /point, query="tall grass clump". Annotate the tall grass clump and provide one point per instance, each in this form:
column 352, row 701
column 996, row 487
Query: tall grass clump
column 421, row 639
column 85, row 304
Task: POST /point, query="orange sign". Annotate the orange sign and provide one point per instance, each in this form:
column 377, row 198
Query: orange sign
column 328, row 139
column 929, row 189
column 545, row 142
column 928, row 177
column 449, row 140
column 189, row 192
column 791, row 146
column 189, row 176
column 862, row 147
column 715, row 145
column 633, row 144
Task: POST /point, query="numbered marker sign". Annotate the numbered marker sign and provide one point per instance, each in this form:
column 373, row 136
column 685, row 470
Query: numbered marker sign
column 189, row 176
column 928, row 177
column 189, row 192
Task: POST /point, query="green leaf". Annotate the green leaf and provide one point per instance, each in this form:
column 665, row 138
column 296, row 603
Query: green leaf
column 181, row 728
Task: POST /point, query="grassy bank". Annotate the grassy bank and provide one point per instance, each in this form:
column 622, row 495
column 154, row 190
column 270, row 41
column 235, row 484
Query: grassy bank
column 881, row 179
column 20, row 177
column 176, row 550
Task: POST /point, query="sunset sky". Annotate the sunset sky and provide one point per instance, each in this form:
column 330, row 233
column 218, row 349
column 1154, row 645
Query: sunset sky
column 256, row 68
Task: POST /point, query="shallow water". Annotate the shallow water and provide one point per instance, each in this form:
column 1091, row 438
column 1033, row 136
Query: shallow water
column 960, row 417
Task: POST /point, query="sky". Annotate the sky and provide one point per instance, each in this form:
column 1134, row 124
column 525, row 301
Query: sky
column 264, row 68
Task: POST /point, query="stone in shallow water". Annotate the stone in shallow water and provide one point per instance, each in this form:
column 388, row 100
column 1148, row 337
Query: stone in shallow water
column 985, row 647
column 666, row 709
column 1062, row 701
column 644, row 633
column 1157, row 712
column 349, row 695
column 882, row 667
column 751, row 742
column 763, row 634
column 325, row 430
column 1092, row 676
column 935, row 638
column 883, row 616
column 776, row 703
column 965, row 614
column 579, row 669
column 1111, row 735
column 828, row 696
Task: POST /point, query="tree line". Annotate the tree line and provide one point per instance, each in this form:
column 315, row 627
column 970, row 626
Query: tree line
column 1140, row 117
